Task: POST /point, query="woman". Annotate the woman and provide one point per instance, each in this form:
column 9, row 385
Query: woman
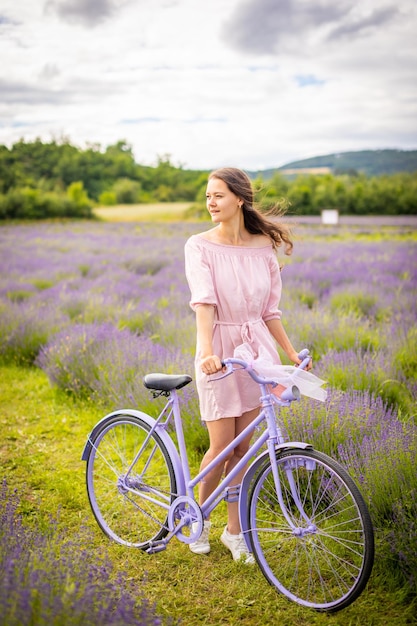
column 235, row 285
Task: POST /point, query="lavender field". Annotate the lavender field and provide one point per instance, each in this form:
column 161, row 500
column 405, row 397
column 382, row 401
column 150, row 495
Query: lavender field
column 96, row 306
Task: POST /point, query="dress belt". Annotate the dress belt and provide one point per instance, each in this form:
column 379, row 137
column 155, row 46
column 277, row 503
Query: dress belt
column 245, row 328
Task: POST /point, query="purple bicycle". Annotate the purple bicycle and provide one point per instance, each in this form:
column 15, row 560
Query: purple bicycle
column 301, row 514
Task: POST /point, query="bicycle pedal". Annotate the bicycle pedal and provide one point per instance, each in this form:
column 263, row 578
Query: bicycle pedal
column 232, row 494
column 156, row 546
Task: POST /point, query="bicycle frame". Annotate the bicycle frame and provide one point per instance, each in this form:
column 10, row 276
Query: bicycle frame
column 272, row 436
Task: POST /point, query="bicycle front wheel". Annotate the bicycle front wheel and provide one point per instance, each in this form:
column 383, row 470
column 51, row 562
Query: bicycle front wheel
column 318, row 547
column 130, row 482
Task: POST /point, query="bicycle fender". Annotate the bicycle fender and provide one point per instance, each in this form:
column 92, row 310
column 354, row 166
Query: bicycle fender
column 250, row 474
column 162, row 434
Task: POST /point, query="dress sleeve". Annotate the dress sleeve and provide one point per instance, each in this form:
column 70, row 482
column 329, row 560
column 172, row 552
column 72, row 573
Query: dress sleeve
column 198, row 274
column 271, row 310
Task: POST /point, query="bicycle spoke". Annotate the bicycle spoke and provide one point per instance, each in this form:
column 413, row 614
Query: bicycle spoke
column 130, row 482
column 324, row 558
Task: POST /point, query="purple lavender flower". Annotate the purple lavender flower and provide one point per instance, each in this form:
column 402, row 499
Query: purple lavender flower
column 52, row 578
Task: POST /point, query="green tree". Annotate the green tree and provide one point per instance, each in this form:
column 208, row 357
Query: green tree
column 126, row 191
column 79, row 198
column 301, row 194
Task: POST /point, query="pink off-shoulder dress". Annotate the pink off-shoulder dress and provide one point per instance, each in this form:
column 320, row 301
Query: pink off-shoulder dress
column 244, row 285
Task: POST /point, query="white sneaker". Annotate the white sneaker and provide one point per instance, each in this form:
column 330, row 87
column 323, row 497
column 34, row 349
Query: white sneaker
column 237, row 546
column 201, row 546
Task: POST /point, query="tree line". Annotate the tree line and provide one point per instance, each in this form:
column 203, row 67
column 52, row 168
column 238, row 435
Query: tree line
column 57, row 179
column 350, row 194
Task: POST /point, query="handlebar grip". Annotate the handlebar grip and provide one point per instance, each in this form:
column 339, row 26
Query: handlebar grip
column 305, row 357
column 290, row 394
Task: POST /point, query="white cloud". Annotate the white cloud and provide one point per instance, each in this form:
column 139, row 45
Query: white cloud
column 252, row 83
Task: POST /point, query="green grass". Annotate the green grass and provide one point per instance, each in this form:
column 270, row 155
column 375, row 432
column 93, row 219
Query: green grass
column 43, row 434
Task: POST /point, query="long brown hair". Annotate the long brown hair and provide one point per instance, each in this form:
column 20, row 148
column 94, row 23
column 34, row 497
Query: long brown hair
column 240, row 184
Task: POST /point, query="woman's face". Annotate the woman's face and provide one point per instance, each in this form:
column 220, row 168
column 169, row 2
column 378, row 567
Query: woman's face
column 222, row 204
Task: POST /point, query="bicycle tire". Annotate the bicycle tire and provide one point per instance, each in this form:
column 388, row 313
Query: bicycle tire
column 325, row 569
column 132, row 510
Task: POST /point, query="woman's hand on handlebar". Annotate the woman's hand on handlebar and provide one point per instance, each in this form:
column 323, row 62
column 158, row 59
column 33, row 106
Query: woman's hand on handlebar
column 211, row 364
column 295, row 358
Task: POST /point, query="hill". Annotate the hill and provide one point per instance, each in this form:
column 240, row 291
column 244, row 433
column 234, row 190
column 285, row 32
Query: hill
column 369, row 162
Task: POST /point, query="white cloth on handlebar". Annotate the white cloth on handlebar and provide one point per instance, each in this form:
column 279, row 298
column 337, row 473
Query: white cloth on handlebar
column 286, row 375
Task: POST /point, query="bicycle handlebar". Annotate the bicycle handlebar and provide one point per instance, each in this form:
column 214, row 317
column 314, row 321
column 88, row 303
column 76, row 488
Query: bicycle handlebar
column 229, row 362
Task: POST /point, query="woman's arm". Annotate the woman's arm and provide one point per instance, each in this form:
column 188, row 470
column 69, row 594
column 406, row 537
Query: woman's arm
column 210, row 363
column 278, row 332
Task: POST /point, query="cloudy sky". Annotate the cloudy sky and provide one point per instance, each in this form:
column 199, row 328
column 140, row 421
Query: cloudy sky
column 249, row 83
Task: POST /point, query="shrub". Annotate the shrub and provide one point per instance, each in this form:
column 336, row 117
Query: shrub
column 405, row 354
column 321, row 331
column 383, row 463
column 81, row 205
column 402, row 535
column 360, row 303
column 345, row 416
column 107, row 198
column 29, row 203
column 24, row 329
column 101, row 362
column 375, row 371
column 51, row 578
column 126, row 191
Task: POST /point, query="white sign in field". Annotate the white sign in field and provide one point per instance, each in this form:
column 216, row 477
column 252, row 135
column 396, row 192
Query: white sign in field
column 330, row 216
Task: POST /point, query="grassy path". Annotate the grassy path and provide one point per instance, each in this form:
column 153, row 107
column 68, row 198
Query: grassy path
column 42, row 436
column 161, row 212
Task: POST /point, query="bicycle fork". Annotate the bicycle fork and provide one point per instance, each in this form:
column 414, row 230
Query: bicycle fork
column 277, row 441
column 290, row 467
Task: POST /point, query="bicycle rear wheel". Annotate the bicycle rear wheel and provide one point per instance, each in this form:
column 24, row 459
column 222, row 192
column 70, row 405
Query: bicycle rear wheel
column 130, row 482
column 324, row 557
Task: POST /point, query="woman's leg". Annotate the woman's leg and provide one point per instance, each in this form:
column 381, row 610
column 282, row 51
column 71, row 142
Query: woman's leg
column 221, row 433
column 241, row 423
